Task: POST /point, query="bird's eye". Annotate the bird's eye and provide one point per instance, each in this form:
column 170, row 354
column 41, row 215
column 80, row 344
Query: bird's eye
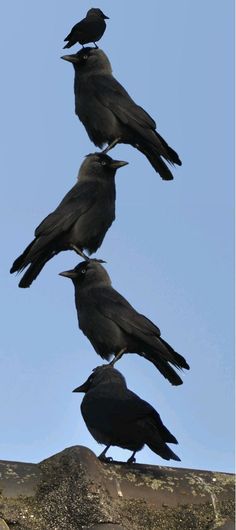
column 103, row 163
column 85, row 57
column 83, row 271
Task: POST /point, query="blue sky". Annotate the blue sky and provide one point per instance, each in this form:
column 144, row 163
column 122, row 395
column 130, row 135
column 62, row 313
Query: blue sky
column 170, row 251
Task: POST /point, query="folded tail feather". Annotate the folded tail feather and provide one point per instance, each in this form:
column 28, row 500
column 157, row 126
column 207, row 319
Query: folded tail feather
column 165, row 434
column 162, row 450
column 154, row 147
column 68, row 45
column 163, row 366
column 158, row 349
column 155, row 160
column 169, row 154
column 34, row 270
column 178, row 360
column 20, row 262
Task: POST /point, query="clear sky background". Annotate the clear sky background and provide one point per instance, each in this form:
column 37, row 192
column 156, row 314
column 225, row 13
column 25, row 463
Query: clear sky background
column 170, row 251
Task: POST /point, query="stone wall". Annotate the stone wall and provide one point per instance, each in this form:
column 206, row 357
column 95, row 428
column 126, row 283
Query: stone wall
column 73, row 490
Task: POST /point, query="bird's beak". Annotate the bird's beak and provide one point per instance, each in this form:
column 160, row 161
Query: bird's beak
column 81, row 388
column 118, row 163
column 69, row 274
column 107, row 18
column 70, row 58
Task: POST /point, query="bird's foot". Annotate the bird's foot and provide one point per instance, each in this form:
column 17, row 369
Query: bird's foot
column 104, row 458
column 112, row 362
column 87, row 258
column 117, row 357
column 110, row 146
column 99, row 260
column 131, row 460
column 80, row 252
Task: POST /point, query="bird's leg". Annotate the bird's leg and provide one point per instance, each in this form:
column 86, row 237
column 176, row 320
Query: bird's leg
column 118, row 356
column 95, row 45
column 132, row 460
column 111, row 145
column 103, row 456
column 80, row 252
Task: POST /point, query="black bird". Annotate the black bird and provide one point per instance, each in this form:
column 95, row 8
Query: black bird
column 79, row 222
column 116, row 416
column 110, row 115
column 114, row 327
column 90, row 29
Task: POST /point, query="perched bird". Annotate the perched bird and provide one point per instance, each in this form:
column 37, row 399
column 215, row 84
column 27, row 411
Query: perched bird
column 114, row 327
column 79, row 222
column 116, row 416
column 110, row 115
column 90, row 29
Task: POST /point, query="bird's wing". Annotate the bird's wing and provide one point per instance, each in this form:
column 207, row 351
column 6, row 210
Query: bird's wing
column 88, row 24
column 76, row 203
column 77, row 29
column 136, row 409
column 113, row 96
column 115, row 307
column 126, row 409
column 123, row 407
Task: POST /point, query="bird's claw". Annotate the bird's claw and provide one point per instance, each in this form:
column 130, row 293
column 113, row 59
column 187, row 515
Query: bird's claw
column 111, row 145
column 111, row 363
column 131, row 460
column 118, row 356
column 106, row 459
column 98, row 260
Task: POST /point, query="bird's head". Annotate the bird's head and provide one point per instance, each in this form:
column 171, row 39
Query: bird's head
column 101, row 375
column 96, row 12
column 88, row 274
column 89, row 60
column 99, row 166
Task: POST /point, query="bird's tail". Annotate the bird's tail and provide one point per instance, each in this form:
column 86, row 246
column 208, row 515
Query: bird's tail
column 68, row 45
column 164, row 367
column 154, row 151
column 178, row 360
column 162, row 355
column 157, row 436
column 36, row 261
column 161, row 449
column 21, row 262
column 33, row 271
column 168, row 153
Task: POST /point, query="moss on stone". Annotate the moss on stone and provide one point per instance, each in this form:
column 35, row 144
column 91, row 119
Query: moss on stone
column 75, row 491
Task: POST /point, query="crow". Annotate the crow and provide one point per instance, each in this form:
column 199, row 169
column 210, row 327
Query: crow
column 113, row 326
column 116, row 416
column 110, row 116
column 90, row 29
column 80, row 221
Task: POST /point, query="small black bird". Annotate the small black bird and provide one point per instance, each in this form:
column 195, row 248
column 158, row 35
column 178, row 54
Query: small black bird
column 90, row 29
column 116, row 416
column 80, row 221
column 114, row 327
column 110, row 115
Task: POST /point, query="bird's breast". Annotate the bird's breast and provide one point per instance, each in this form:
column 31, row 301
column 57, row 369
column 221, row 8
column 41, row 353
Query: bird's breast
column 99, row 121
